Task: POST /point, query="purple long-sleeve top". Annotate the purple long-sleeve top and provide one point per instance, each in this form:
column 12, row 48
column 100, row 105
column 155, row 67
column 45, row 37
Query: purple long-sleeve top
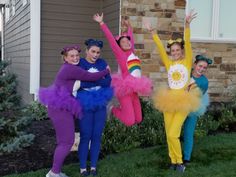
column 68, row 74
column 59, row 94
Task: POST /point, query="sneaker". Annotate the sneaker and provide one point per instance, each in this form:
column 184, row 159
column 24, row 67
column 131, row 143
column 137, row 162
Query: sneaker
column 63, row 175
column 93, row 172
column 186, row 162
column 180, row 168
column 51, row 174
column 84, row 173
column 172, row 166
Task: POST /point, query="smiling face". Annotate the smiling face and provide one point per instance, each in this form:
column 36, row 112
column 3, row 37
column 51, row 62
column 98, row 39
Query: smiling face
column 199, row 68
column 92, row 54
column 176, row 51
column 72, row 57
column 125, row 44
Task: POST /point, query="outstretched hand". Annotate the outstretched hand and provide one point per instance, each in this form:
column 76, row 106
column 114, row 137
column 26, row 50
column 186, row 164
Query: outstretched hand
column 98, row 18
column 125, row 22
column 190, row 17
column 149, row 27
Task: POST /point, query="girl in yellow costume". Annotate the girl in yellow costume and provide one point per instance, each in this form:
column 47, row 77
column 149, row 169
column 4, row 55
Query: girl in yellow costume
column 176, row 101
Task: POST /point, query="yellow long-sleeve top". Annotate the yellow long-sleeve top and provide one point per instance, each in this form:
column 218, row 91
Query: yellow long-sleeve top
column 179, row 70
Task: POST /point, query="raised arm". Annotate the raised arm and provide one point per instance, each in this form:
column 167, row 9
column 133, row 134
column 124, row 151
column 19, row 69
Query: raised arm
column 163, row 54
column 109, row 36
column 73, row 72
column 126, row 22
column 114, row 46
column 188, row 48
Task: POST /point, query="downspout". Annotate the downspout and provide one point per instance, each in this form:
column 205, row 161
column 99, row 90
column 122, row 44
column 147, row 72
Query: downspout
column 35, row 12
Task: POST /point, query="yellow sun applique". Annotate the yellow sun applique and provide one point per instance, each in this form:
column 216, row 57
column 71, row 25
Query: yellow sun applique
column 177, row 76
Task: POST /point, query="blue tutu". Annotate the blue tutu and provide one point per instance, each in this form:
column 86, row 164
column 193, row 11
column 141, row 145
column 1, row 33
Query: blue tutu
column 203, row 107
column 91, row 100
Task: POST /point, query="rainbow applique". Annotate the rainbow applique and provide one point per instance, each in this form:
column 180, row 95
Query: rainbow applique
column 134, row 65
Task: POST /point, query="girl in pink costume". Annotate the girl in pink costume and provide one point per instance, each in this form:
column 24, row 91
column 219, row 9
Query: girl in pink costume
column 128, row 84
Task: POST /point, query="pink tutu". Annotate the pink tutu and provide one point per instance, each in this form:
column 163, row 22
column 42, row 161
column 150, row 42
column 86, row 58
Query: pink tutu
column 129, row 84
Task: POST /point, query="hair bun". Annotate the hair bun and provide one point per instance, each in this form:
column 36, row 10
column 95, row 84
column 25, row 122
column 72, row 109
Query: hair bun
column 93, row 42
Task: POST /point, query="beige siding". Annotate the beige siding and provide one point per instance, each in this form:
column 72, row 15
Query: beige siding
column 17, row 47
column 69, row 22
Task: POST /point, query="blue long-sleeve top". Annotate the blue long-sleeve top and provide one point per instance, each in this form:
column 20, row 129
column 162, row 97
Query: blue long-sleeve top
column 99, row 65
column 202, row 83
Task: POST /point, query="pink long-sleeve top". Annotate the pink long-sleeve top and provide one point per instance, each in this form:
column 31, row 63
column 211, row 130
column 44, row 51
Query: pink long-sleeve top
column 127, row 61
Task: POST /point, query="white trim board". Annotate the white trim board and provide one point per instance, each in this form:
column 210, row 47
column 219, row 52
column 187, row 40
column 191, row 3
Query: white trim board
column 35, row 12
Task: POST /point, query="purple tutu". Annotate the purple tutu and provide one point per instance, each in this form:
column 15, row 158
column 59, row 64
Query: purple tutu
column 59, row 98
column 130, row 84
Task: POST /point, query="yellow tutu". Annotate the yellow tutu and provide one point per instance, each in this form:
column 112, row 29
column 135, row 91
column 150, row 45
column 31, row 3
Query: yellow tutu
column 170, row 100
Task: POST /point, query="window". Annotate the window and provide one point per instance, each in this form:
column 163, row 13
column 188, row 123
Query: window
column 214, row 21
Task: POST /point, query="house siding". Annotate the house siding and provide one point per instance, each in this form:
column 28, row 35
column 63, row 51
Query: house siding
column 17, row 47
column 70, row 22
column 111, row 10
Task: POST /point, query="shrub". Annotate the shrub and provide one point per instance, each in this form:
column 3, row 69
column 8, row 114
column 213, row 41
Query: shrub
column 12, row 121
column 117, row 137
column 36, row 111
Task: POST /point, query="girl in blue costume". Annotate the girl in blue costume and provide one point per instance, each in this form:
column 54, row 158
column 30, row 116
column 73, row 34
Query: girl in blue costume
column 200, row 66
column 94, row 98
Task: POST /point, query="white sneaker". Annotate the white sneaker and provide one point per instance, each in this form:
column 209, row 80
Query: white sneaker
column 63, row 175
column 51, row 174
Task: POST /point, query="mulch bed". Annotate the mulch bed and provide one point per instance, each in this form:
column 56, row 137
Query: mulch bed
column 38, row 155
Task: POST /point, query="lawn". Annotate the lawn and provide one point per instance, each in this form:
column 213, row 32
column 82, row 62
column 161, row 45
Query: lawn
column 213, row 156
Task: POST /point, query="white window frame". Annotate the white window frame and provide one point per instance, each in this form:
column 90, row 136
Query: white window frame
column 214, row 28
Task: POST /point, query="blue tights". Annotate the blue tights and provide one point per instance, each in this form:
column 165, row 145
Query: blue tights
column 91, row 126
column 189, row 128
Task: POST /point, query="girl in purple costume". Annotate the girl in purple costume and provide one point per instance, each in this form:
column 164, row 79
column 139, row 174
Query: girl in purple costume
column 62, row 106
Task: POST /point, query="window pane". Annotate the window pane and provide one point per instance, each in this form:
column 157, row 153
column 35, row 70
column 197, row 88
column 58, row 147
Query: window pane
column 227, row 25
column 201, row 26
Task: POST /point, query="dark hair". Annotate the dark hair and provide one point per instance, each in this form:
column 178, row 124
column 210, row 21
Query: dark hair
column 67, row 48
column 93, row 42
column 202, row 58
column 118, row 41
column 178, row 41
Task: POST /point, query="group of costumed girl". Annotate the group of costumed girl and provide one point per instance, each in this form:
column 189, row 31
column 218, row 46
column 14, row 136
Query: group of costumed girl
column 83, row 87
column 181, row 97
column 62, row 105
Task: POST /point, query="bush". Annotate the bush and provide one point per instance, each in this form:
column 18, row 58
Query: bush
column 206, row 125
column 118, row 137
column 36, row 111
column 12, row 120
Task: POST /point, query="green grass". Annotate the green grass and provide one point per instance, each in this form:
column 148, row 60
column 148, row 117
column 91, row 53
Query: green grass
column 213, row 156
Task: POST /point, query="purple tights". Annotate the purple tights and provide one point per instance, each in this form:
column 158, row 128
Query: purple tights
column 63, row 123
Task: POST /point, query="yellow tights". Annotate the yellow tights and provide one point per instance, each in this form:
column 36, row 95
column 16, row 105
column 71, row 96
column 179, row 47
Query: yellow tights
column 173, row 124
